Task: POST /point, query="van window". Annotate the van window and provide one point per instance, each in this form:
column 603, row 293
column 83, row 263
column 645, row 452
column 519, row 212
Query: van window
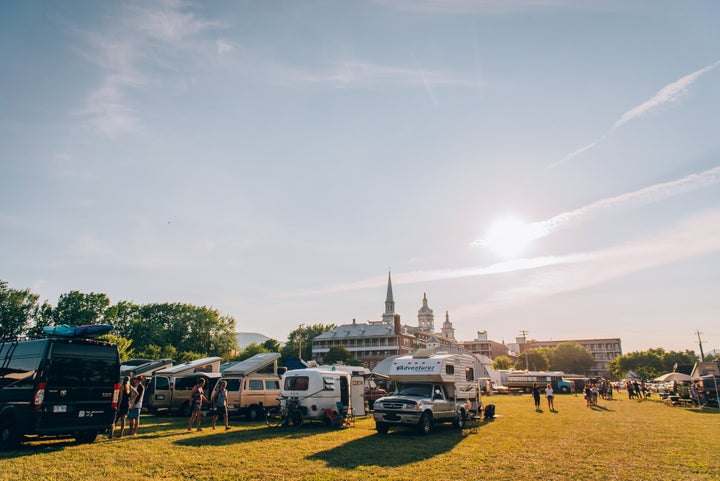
column 297, row 383
column 232, row 384
column 272, row 385
column 449, row 369
column 162, row 383
column 72, row 371
column 255, row 385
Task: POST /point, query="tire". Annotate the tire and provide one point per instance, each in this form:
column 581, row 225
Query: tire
column 252, row 413
column 296, row 417
column 85, row 437
column 425, row 425
column 564, row 390
column 527, row 390
column 382, row 428
column 459, row 421
column 9, row 435
column 273, row 417
column 185, row 409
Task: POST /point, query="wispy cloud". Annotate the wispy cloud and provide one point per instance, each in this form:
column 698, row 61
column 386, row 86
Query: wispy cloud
column 668, row 94
column 647, row 195
column 644, row 196
column 691, row 238
column 365, row 74
column 483, row 6
column 140, row 39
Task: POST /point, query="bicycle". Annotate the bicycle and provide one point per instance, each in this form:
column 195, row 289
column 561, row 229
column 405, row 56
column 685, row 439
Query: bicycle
column 288, row 412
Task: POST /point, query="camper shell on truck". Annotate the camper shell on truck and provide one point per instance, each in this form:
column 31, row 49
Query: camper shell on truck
column 169, row 389
column 57, row 387
column 252, row 385
column 429, row 388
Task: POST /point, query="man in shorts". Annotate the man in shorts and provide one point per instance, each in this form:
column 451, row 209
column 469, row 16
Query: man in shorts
column 136, row 405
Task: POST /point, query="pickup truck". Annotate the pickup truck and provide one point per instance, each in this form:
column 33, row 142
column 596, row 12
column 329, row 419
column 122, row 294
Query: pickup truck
column 419, row 405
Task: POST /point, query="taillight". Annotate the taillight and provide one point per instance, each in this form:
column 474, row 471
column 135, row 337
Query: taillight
column 116, row 395
column 39, row 396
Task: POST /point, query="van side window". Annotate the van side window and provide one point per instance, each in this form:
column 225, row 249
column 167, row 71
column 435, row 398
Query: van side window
column 272, row 385
column 255, row 385
column 162, row 383
column 449, row 369
column 469, row 374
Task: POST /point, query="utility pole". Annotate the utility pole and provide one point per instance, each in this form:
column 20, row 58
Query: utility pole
column 702, row 354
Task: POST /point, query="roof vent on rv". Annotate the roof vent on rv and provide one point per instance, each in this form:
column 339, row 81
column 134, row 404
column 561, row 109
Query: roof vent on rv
column 422, row 354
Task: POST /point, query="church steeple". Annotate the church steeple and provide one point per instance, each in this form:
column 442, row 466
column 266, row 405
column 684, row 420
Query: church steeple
column 448, row 330
column 389, row 315
column 426, row 318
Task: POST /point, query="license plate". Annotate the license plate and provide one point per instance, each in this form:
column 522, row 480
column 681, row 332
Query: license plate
column 60, row 409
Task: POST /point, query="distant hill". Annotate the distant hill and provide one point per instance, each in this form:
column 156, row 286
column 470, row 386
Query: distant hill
column 244, row 339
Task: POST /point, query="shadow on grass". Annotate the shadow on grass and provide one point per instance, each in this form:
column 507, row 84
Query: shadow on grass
column 399, row 447
column 602, row 408
column 258, row 433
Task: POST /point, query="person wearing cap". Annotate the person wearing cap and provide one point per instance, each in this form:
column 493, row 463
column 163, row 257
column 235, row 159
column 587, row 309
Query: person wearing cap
column 136, row 405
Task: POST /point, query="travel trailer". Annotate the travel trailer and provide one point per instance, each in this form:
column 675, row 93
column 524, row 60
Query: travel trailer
column 363, row 386
column 169, row 389
column 252, row 385
column 429, row 388
column 316, row 389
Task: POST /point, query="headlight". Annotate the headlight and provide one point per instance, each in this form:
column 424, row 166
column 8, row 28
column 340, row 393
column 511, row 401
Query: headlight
column 377, row 405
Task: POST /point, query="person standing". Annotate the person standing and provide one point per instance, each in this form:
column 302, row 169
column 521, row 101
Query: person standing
column 550, row 395
column 536, row 396
column 219, row 402
column 197, row 397
column 126, row 393
column 136, row 405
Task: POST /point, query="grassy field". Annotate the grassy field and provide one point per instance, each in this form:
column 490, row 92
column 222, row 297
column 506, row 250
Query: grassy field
column 618, row 440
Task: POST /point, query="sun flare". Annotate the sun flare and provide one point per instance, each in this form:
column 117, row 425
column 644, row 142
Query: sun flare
column 509, row 237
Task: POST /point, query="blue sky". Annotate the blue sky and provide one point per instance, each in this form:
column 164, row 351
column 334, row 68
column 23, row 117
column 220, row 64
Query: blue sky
column 540, row 165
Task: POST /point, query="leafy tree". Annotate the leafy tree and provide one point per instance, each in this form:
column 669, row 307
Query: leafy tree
column 77, row 308
column 271, row 345
column 18, row 310
column 571, row 357
column 251, row 350
column 123, row 345
column 300, row 340
column 687, row 357
column 501, row 363
column 646, row 364
column 535, row 359
column 43, row 318
column 340, row 354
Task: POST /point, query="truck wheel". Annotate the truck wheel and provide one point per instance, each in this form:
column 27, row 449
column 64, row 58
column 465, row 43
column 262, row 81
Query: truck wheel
column 381, row 427
column 252, row 413
column 459, row 421
column 185, row 409
column 85, row 437
column 564, row 390
column 9, row 436
column 425, row 424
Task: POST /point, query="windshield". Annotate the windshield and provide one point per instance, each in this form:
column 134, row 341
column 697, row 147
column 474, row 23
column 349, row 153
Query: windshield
column 413, row 389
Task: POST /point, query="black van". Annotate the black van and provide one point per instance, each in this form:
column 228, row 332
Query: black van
column 57, row 387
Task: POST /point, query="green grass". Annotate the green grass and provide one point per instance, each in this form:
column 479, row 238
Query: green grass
column 619, row 440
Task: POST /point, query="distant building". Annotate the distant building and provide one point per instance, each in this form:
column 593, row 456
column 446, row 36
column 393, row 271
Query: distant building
column 485, row 347
column 373, row 341
column 603, row 350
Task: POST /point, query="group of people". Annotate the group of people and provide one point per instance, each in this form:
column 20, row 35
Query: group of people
column 129, row 406
column 218, row 405
column 549, row 395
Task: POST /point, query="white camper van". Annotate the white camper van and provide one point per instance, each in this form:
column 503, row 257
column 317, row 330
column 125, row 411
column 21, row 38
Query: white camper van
column 170, row 388
column 313, row 390
column 429, row 388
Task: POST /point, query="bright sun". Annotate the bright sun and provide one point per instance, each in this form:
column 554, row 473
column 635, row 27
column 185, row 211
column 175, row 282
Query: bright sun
column 508, row 237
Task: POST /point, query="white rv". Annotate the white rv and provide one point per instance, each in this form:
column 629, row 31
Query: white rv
column 429, row 388
column 170, row 388
column 316, row 389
